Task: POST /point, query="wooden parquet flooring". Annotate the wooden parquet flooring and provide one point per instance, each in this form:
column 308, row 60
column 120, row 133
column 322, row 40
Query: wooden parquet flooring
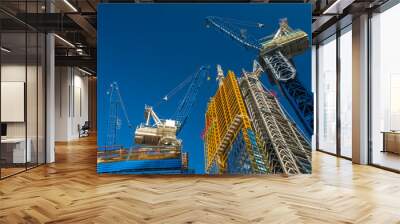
column 70, row 191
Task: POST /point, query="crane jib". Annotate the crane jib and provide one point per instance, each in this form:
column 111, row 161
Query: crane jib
column 189, row 99
column 236, row 37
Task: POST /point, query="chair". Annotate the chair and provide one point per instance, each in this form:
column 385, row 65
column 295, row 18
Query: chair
column 84, row 129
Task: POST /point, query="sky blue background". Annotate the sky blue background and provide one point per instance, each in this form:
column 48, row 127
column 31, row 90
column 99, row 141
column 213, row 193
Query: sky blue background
column 150, row 48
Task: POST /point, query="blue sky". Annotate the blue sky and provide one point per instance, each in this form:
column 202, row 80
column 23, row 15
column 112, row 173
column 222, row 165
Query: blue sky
column 150, row 48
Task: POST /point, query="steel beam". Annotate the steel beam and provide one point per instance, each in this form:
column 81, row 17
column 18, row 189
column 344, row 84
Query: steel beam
column 78, row 61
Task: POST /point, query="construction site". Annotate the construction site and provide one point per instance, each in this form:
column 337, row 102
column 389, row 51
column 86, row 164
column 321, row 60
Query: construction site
column 247, row 130
column 156, row 148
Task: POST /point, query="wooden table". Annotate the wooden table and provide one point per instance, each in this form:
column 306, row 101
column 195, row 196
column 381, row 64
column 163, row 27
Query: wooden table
column 13, row 150
column 391, row 141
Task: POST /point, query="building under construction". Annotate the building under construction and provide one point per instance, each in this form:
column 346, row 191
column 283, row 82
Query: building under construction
column 248, row 132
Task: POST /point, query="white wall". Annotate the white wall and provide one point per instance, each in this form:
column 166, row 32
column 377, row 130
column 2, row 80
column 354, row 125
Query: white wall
column 71, row 102
column 14, row 72
column 17, row 73
column 33, row 127
column 81, row 84
column 61, row 103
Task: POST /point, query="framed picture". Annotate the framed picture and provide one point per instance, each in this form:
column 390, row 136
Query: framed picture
column 209, row 89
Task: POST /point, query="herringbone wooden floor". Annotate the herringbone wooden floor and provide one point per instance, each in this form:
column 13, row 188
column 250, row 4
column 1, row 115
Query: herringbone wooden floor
column 70, row 191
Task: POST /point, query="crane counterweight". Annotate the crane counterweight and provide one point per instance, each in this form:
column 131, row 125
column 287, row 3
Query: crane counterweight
column 157, row 133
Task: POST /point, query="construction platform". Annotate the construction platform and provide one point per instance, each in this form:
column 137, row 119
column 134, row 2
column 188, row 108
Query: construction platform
column 142, row 160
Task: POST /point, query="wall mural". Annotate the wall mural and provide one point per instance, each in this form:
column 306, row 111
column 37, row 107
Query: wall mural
column 204, row 89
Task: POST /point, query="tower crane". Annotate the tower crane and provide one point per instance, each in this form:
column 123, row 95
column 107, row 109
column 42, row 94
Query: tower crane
column 161, row 132
column 274, row 54
column 114, row 121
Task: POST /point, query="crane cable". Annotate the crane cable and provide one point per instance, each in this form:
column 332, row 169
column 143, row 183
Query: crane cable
column 175, row 90
column 194, row 81
column 188, row 101
column 239, row 22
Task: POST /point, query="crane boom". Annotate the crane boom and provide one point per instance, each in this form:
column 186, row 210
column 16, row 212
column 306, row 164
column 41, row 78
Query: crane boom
column 218, row 22
column 183, row 110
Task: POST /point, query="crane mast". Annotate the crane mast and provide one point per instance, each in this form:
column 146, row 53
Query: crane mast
column 114, row 120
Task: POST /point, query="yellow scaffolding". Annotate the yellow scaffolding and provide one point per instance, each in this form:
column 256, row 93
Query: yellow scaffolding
column 226, row 116
column 211, row 136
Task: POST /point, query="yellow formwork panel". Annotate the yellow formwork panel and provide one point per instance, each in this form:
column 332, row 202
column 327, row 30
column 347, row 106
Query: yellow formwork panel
column 207, row 133
column 211, row 135
column 222, row 109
